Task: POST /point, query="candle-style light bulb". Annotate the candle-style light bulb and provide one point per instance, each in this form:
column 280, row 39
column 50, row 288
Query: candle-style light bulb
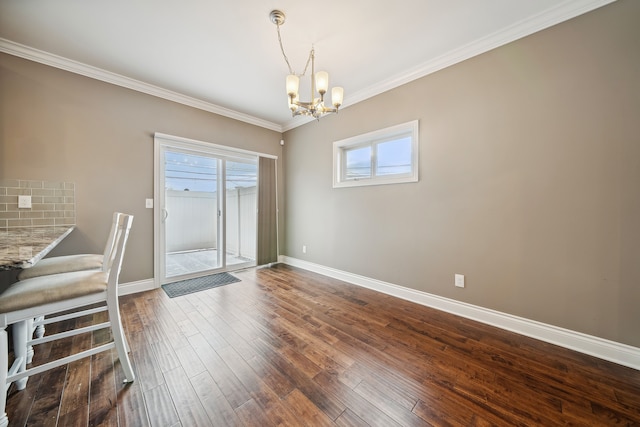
column 337, row 96
column 293, row 83
column 322, row 82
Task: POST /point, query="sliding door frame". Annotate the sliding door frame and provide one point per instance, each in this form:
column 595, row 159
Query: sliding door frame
column 163, row 142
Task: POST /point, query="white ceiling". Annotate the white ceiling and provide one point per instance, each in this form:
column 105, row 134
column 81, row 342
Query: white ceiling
column 223, row 55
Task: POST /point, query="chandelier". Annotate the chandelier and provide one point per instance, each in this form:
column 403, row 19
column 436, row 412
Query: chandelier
column 319, row 81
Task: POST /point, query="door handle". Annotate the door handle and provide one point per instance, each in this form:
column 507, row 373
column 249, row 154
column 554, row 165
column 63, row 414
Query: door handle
column 165, row 215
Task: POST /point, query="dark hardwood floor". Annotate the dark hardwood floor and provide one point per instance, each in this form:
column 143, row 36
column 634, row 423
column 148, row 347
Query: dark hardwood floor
column 286, row 347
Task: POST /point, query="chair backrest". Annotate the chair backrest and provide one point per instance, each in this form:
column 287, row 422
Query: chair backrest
column 113, row 264
column 111, row 240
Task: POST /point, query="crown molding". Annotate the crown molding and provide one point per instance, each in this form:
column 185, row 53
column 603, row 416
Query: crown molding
column 46, row 58
column 562, row 12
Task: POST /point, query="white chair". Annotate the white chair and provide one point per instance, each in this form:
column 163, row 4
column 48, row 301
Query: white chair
column 75, row 293
column 66, row 264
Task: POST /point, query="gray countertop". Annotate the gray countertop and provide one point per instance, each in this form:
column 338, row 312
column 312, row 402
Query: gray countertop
column 22, row 247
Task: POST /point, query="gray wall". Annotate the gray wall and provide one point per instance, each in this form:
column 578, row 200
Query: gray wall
column 59, row 126
column 529, row 181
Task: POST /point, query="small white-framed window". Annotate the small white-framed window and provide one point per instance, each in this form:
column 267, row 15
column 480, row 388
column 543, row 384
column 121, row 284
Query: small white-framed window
column 385, row 156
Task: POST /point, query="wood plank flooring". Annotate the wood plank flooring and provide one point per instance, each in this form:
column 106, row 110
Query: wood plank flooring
column 286, row 347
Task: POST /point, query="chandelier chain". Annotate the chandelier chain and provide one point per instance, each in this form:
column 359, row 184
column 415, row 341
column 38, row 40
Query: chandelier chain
column 286, row 59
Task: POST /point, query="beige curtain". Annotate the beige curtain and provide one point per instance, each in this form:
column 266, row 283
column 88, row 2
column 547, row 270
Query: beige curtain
column 267, row 212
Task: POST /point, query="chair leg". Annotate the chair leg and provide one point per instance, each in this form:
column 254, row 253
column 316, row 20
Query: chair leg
column 39, row 331
column 4, row 369
column 120, row 342
column 20, row 333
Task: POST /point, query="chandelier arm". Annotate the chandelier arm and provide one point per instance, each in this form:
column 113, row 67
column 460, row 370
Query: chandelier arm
column 303, row 104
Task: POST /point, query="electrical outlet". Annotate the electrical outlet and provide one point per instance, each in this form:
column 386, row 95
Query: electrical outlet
column 459, row 280
column 304, row 249
column 24, row 202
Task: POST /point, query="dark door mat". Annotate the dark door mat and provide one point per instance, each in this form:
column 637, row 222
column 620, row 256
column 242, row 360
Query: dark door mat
column 189, row 286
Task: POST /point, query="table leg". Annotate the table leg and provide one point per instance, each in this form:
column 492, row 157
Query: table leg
column 20, row 338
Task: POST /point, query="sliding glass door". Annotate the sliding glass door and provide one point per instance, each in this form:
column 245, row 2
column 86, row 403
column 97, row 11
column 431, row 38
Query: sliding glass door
column 206, row 200
column 241, row 189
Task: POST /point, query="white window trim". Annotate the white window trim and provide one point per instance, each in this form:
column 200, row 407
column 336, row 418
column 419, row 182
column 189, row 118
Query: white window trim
column 369, row 139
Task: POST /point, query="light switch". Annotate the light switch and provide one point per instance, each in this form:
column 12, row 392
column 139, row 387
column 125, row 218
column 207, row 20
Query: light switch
column 24, row 202
column 148, row 203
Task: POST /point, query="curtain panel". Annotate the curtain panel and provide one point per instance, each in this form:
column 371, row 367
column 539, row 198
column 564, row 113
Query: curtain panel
column 267, row 212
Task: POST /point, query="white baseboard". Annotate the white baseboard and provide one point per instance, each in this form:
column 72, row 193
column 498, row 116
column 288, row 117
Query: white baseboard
column 135, row 287
column 612, row 351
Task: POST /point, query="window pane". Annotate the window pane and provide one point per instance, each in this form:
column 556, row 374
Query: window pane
column 189, row 172
column 241, row 208
column 384, row 156
column 241, row 174
column 358, row 163
column 394, row 157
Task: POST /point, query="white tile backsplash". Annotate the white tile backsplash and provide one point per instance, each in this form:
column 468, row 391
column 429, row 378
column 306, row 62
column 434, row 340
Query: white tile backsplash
column 53, row 203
